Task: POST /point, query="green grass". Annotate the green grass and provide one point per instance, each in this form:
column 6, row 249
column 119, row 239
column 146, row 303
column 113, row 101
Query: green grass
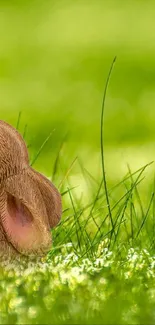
column 53, row 70
column 101, row 266
column 95, row 273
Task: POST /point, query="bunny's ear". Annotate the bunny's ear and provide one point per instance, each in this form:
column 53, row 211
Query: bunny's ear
column 50, row 196
column 24, row 217
column 13, row 151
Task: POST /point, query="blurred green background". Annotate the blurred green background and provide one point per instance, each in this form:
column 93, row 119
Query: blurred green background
column 54, row 61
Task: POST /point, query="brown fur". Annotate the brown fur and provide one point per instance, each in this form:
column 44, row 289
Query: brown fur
column 27, row 199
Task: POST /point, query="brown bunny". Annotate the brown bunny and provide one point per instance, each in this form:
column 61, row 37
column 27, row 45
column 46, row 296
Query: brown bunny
column 29, row 203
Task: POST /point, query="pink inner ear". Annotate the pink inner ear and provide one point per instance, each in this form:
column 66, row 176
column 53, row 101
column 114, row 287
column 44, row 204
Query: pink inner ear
column 19, row 213
column 19, row 224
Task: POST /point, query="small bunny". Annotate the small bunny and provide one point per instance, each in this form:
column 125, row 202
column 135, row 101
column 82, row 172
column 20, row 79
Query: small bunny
column 30, row 205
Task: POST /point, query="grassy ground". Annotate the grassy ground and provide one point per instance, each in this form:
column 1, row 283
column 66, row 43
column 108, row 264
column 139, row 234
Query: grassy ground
column 100, row 269
column 54, row 59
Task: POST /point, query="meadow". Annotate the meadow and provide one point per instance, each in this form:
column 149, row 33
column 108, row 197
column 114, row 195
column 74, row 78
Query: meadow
column 97, row 146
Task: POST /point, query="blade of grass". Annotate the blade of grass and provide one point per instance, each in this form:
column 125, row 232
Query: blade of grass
column 137, row 194
column 131, row 217
column 153, row 217
column 41, row 148
column 18, row 120
column 67, row 172
column 86, row 173
column 55, row 167
column 102, row 143
column 146, row 215
column 25, row 131
column 65, row 192
column 128, row 175
column 76, row 220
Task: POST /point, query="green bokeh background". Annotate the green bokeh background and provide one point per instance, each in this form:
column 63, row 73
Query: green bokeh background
column 54, row 61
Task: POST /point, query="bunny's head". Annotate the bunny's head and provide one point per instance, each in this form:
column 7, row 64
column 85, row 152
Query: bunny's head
column 30, row 205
